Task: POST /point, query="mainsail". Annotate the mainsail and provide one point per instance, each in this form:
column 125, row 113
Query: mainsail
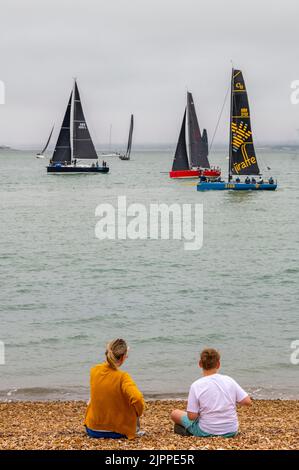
column 128, row 152
column 198, row 150
column 180, row 161
column 242, row 159
column 48, row 141
column 83, row 147
column 62, row 152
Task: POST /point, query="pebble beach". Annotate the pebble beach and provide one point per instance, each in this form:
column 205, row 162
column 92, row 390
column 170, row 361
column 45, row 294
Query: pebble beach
column 268, row 424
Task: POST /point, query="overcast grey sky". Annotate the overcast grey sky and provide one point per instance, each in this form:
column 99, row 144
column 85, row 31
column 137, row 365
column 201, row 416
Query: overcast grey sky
column 140, row 56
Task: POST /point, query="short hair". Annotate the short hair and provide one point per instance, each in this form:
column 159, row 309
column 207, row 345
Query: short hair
column 209, row 358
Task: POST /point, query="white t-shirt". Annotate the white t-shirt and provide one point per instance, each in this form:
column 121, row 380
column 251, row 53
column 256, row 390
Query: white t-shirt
column 215, row 397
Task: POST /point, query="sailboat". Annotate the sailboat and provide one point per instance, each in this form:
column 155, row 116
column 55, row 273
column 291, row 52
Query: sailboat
column 242, row 157
column 110, row 153
column 196, row 163
column 41, row 154
column 74, row 142
column 129, row 146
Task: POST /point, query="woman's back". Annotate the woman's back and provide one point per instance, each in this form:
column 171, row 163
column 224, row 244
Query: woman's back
column 115, row 401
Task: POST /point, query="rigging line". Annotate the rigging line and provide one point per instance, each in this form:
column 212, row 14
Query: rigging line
column 266, row 168
column 220, row 115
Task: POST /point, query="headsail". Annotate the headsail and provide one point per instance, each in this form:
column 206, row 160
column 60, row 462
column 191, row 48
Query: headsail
column 205, row 140
column 48, row 141
column 83, row 147
column 62, row 152
column 128, row 152
column 198, row 151
column 180, row 161
column 242, row 153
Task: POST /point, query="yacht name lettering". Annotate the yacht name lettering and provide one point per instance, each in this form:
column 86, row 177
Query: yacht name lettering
column 248, row 161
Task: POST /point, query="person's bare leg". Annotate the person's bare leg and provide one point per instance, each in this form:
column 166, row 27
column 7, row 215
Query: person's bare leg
column 176, row 416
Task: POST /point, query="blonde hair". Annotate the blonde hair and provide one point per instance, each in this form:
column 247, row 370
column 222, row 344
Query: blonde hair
column 115, row 350
column 209, row 358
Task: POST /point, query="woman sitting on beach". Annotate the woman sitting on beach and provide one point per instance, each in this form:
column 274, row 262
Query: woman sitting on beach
column 115, row 401
column 211, row 408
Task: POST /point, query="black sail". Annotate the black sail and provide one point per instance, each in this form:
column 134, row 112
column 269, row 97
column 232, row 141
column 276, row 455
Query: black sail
column 242, row 153
column 198, row 150
column 128, row 152
column 83, row 147
column 48, row 141
column 205, row 140
column 180, row 161
column 62, row 152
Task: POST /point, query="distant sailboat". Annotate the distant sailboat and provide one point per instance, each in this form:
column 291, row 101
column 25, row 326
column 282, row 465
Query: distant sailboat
column 242, row 157
column 126, row 156
column 41, row 154
column 197, row 162
column 74, row 142
column 110, row 153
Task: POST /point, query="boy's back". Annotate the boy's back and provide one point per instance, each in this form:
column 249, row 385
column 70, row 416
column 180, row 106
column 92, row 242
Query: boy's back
column 215, row 397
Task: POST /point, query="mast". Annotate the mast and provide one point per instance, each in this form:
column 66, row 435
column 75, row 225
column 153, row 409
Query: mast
column 72, row 128
column 230, row 127
column 110, row 133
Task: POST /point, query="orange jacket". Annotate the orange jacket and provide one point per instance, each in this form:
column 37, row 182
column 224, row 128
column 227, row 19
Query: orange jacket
column 115, row 401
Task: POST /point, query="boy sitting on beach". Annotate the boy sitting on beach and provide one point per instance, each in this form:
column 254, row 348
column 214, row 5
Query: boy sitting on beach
column 212, row 400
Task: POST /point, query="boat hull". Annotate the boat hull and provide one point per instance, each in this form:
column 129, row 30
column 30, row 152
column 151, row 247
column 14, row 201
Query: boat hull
column 104, row 155
column 222, row 186
column 195, row 173
column 77, row 169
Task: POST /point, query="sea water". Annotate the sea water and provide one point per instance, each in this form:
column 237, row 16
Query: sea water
column 64, row 293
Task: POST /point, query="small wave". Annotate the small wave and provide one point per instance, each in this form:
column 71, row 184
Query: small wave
column 45, row 341
column 291, row 271
column 76, row 393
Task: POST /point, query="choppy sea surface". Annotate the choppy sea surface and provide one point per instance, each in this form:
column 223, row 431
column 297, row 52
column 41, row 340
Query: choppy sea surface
column 64, row 293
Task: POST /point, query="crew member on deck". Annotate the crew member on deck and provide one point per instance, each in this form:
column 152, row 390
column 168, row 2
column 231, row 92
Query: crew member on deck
column 253, row 180
column 247, row 180
column 271, row 180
